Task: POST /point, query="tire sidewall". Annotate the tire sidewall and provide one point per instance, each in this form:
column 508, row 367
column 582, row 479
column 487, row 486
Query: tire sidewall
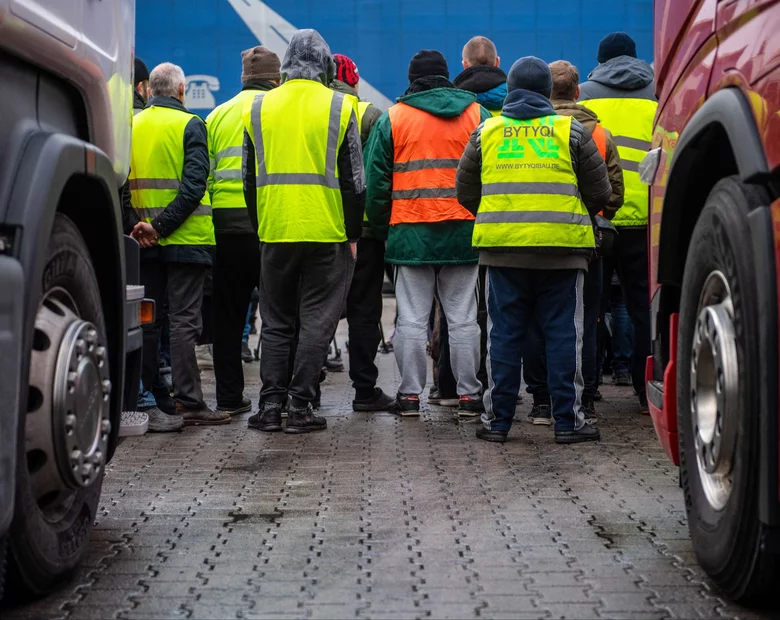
column 46, row 553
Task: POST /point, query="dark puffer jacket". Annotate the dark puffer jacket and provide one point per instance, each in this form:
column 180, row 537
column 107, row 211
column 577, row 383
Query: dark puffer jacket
column 592, row 180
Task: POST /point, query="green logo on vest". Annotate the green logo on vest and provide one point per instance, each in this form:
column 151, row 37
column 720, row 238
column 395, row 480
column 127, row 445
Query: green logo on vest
column 539, row 134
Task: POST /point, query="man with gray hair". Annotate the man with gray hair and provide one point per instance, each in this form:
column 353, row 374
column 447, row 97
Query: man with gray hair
column 169, row 168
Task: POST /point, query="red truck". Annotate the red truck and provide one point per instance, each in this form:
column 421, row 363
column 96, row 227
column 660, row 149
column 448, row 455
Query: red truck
column 714, row 176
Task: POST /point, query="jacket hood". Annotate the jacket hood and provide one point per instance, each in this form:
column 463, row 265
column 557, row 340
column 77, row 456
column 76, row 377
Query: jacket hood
column 258, row 85
column 443, row 102
column 584, row 115
column 138, row 101
column 343, row 87
column 480, row 79
column 493, row 99
column 524, row 104
column 308, row 57
column 624, row 73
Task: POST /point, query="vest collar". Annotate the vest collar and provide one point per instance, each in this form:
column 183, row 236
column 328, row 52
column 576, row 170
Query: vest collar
column 167, row 102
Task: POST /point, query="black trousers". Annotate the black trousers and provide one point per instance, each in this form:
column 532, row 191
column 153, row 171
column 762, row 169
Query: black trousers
column 207, row 333
column 181, row 284
column 364, row 311
column 307, row 281
column 630, row 261
column 236, row 274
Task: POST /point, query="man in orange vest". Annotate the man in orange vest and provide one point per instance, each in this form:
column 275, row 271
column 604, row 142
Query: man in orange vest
column 565, row 92
column 411, row 158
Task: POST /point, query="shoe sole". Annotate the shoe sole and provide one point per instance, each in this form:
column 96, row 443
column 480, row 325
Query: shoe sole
column 206, row 422
column 271, row 428
column 301, row 430
column 408, row 414
column 373, row 408
column 493, row 439
column 576, row 439
column 165, row 430
column 541, row 421
column 240, row 410
column 469, row 414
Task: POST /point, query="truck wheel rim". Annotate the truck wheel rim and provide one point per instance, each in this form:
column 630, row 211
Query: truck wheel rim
column 714, row 389
column 68, row 425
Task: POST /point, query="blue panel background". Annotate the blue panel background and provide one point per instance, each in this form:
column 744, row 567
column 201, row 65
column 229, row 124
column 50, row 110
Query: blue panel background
column 207, row 36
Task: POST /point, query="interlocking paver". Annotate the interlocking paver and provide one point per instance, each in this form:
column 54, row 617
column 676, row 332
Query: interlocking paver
column 382, row 517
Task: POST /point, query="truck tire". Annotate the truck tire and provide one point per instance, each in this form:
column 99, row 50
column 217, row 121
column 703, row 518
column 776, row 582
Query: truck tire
column 718, row 397
column 63, row 441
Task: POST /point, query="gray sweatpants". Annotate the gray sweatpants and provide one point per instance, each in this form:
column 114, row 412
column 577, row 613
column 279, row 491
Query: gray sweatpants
column 456, row 287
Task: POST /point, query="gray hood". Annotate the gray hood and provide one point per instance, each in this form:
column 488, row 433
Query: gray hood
column 308, row 57
column 624, row 73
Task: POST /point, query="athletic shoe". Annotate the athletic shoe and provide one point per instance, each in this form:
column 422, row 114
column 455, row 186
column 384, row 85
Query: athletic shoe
column 622, row 379
column 379, row 401
column 597, row 395
column 587, row 433
column 269, row 419
column 133, row 423
column 435, row 398
column 541, row 415
column 408, row 405
column 202, row 416
column 303, row 420
column 470, row 406
column 246, row 405
column 161, row 422
column 644, row 408
column 492, row 436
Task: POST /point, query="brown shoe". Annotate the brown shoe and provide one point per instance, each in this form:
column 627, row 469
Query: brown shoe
column 203, row 416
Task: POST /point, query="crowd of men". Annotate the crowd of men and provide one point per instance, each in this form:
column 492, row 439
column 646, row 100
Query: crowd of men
column 504, row 202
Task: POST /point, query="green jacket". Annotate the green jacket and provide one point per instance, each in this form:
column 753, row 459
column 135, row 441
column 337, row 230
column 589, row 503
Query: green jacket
column 442, row 243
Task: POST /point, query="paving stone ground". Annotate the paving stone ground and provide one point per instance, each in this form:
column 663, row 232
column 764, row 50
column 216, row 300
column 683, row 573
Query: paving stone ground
column 383, row 517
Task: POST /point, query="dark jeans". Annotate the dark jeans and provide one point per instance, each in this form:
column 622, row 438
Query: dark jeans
column 517, row 297
column 364, row 311
column 630, row 261
column 321, row 273
column 448, row 386
column 622, row 332
column 535, row 361
column 236, row 274
column 181, row 284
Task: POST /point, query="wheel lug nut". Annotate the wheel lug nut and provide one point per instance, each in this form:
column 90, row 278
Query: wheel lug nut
column 81, row 346
column 106, row 387
column 86, row 469
column 92, row 336
column 101, row 353
column 105, row 426
column 97, row 458
column 76, row 455
column 72, row 378
column 70, row 422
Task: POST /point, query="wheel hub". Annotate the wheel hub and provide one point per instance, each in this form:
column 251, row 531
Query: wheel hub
column 714, row 389
column 68, row 425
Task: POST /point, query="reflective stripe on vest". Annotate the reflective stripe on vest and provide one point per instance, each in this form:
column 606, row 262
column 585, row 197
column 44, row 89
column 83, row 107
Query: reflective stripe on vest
column 631, row 123
column 156, row 166
column 426, row 152
column 297, row 130
column 529, row 189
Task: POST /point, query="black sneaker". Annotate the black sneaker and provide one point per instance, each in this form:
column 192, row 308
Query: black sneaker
column 246, row 405
column 379, row 401
column 597, row 395
column 408, row 404
column 470, row 406
column 590, row 410
column 492, row 436
column 541, row 415
column 246, row 353
column 644, row 408
column 303, row 420
column 622, row 379
column 334, row 364
column 269, row 419
column 589, row 432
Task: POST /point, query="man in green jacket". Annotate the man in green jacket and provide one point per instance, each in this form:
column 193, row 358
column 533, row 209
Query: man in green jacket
column 411, row 158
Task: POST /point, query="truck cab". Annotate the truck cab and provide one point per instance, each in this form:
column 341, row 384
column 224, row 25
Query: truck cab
column 69, row 301
column 714, row 238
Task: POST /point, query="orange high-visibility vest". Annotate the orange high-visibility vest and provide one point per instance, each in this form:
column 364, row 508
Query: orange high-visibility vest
column 427, row 150
column 600, row 138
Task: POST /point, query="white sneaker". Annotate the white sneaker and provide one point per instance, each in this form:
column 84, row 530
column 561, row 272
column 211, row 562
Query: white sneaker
column 133, row 423
column 204, row 356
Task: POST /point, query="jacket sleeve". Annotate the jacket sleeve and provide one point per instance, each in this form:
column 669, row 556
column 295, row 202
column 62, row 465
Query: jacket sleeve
column 249, row 179
column 129, row 216
column 194, row 180
column 468, row 180
column 370, row 117
column 590, row 169
column 379, row 176
column 352, row 180
column 615, row 172
column 212, row 163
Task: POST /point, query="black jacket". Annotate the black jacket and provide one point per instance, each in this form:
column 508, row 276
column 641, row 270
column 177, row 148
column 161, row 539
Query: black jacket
column 194, row 182
column 592, row 179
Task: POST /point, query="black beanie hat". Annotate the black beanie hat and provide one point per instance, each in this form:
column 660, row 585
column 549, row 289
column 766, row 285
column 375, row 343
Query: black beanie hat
column 614, row 45
column 530, row 73
column 428, row 62
column 140, row 73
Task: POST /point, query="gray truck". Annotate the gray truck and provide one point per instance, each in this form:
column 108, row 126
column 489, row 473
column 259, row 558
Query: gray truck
column 70, row 339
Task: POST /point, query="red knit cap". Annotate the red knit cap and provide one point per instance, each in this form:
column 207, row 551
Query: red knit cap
column 346, row 69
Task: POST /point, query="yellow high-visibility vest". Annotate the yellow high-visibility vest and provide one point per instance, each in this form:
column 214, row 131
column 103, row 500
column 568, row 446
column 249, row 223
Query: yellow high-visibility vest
column 225, row 127
column 156, row 166
column 297, row 131
column 530, row 196
column 631, row 123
